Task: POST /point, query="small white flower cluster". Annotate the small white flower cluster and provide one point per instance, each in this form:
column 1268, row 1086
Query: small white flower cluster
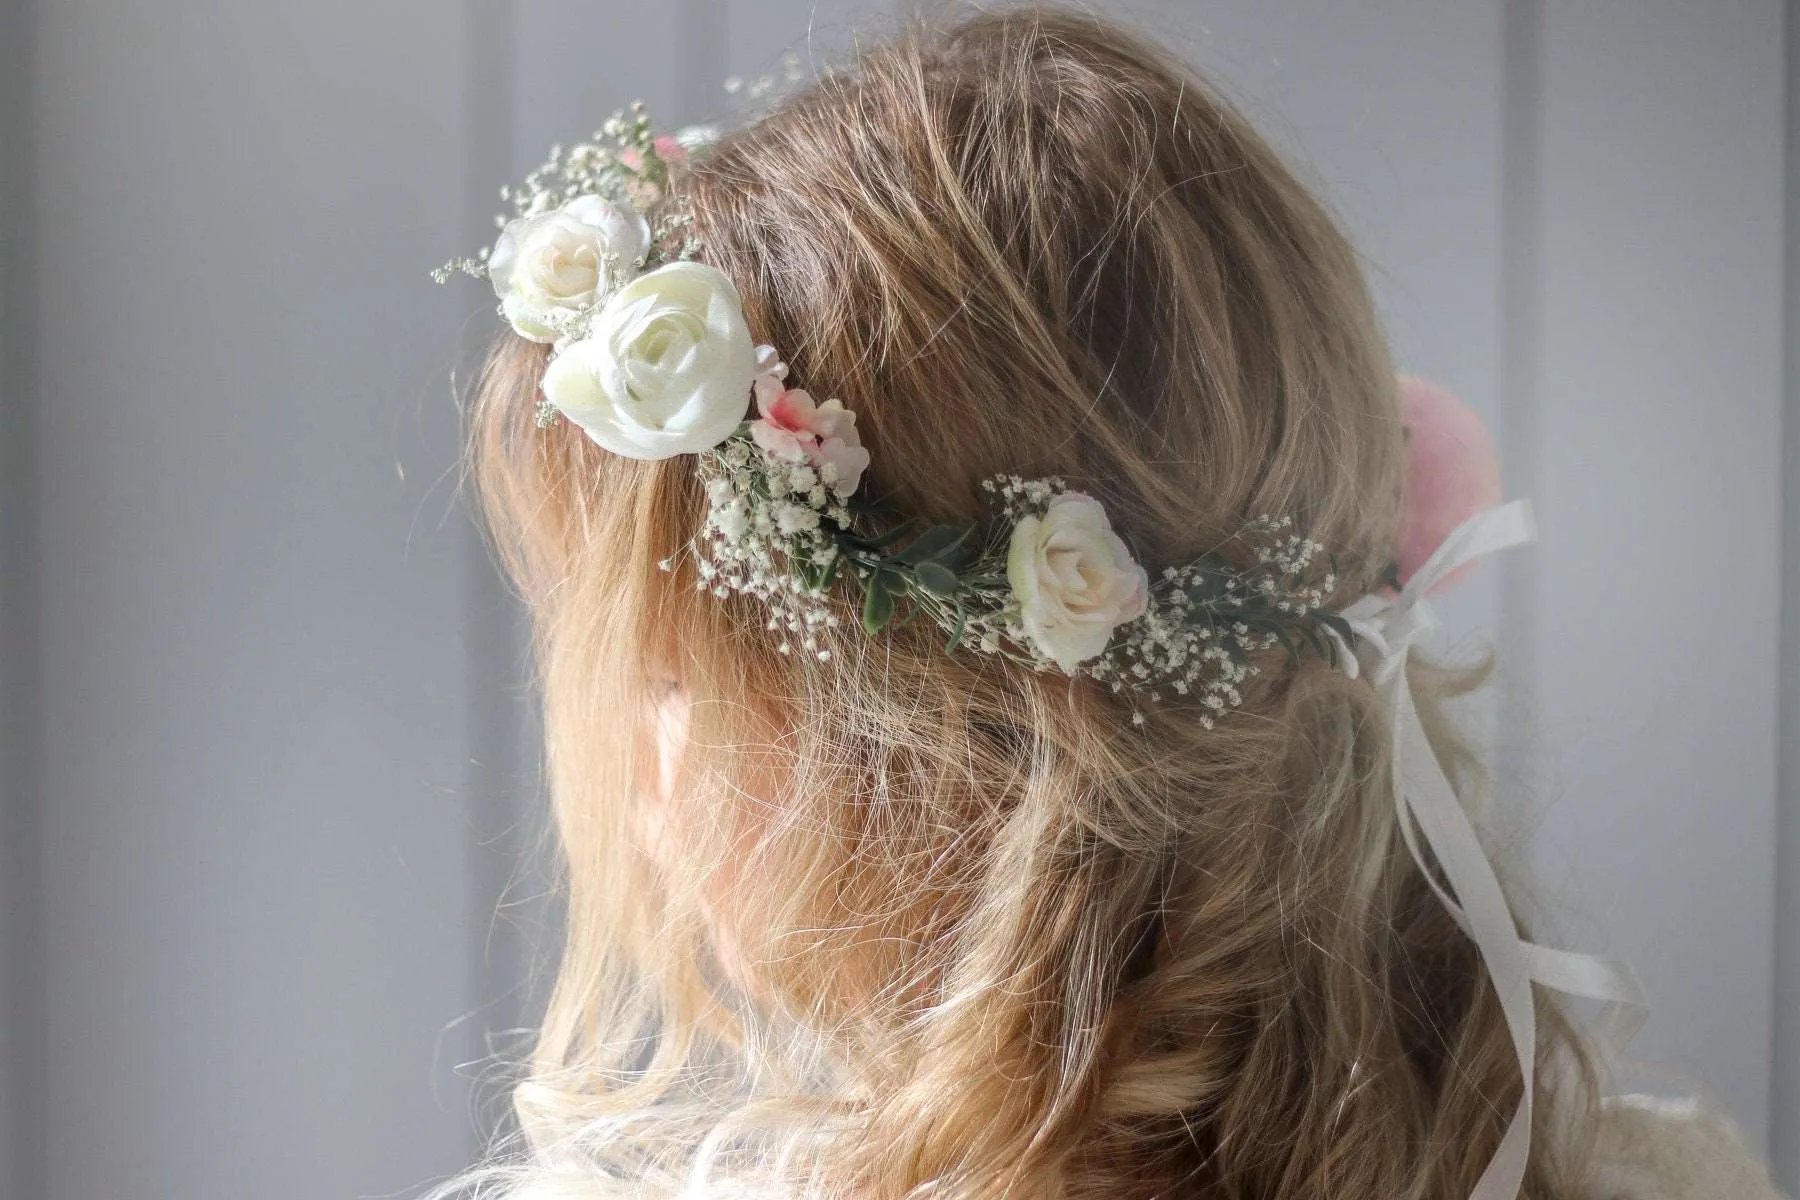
column 625, row 168
column 997, row 628
column 769, row 535
column 1019, row 498
column 1286, row 559
column 764, row 87
column 1206, row 619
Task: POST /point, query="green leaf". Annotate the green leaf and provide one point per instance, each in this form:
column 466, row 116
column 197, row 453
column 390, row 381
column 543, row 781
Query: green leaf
column 878, row 604
column 935, row 578
column 956, row 632
column 935, row 544
column 878, row 541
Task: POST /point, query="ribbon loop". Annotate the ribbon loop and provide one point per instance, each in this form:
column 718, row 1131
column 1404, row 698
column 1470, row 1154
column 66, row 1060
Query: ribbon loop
column 1427, row 807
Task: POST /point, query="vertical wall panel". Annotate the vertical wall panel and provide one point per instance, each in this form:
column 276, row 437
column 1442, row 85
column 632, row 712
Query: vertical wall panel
column 1657, row 393
column 1785, row 1107
column 253, row 584
column 512, row 914
column 21, row 1013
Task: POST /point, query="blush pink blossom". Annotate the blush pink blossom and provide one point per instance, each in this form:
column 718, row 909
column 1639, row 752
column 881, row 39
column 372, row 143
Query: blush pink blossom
column 1452, row 472
column 644, row 193
column 667, row 149
column 793, row 428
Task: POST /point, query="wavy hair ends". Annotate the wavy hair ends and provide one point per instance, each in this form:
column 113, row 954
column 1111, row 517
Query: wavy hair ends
column 906, row 924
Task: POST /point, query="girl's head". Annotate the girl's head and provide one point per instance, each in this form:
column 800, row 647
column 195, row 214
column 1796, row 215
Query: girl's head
column 910, row 923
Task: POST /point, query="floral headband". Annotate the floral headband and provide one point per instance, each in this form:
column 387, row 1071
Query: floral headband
column 653, row 358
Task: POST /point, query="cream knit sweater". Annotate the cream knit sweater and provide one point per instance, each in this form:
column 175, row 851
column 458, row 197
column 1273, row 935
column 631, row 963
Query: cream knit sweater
column 1656, row 1149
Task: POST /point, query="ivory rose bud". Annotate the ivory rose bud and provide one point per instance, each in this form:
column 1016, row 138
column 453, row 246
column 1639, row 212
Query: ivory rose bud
column 1074, row 580
column 665, row 369
column 550, row 266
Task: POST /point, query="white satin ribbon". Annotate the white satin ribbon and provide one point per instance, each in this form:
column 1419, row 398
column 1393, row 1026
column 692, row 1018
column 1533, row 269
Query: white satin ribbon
column 1386, row 626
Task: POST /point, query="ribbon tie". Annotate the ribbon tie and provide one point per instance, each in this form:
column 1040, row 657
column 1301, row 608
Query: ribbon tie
column 1386, row 628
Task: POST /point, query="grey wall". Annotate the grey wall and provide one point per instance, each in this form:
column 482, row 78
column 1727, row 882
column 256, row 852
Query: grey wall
column 1652, row 416
column 258, row 852
column 21, row 1060
column 266, row 752
column 1785, row 1133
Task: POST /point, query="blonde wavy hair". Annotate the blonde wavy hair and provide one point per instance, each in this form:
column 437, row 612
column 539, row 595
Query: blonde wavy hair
column 915, row 925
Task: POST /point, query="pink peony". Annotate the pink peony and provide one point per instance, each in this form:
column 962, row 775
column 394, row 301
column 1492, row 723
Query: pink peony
column 792, row 428
column 1452, row 472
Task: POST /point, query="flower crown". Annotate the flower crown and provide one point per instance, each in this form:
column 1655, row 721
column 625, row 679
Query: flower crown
column 653, row 358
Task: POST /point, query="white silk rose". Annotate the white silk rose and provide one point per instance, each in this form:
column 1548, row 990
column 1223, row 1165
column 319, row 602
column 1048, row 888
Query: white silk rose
column 1073, row 579
column 547, row 268
column 665, row 369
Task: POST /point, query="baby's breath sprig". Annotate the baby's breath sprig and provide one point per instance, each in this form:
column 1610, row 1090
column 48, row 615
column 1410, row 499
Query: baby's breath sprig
column 625, row 163
column 771, row 533
column 769, row 87
column 786, row 533
column 1207, row 619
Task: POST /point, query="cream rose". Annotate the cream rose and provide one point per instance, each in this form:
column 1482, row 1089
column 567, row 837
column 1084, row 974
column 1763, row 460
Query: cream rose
column 665, row 369
column 1074, row 580
column 551, row 266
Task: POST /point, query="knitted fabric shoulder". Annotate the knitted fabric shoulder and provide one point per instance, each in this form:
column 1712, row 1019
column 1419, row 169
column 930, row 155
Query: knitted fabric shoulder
column 1652, row 1148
